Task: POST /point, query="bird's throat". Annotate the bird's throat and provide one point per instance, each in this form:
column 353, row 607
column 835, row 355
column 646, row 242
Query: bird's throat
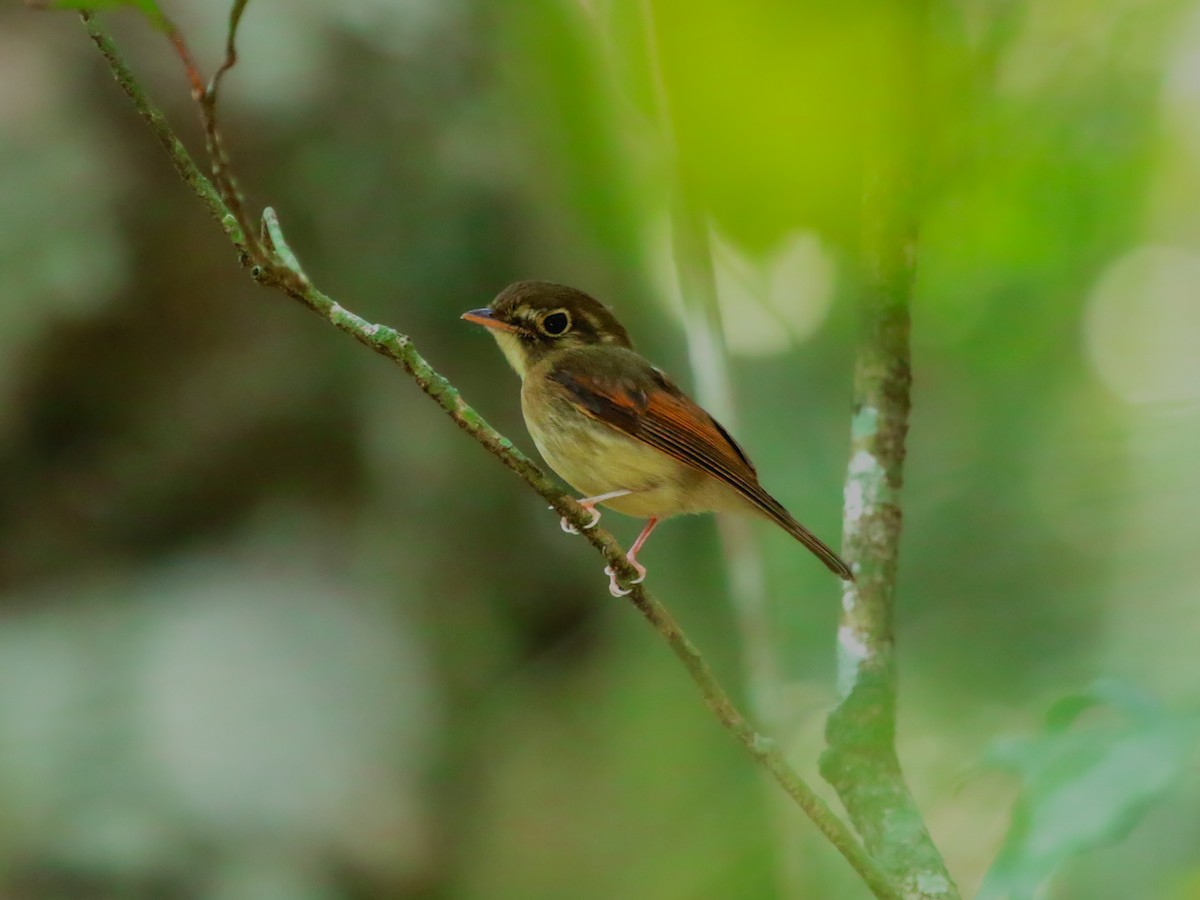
column 510, row 346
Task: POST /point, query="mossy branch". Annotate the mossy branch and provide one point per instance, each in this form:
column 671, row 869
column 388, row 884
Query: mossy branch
column 273, row 264
column 861, row 761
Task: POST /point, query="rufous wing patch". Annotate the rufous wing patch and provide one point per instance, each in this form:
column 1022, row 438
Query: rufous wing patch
column 666, row 419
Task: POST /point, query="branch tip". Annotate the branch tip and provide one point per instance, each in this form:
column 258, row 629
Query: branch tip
column 276, row 245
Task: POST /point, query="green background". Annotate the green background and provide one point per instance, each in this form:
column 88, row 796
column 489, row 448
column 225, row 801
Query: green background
column 271, row 627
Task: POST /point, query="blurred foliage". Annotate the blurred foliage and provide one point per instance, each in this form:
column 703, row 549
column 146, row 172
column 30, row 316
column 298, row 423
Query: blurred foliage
column 270, row 627
column 1086, row 786
column 148, row 8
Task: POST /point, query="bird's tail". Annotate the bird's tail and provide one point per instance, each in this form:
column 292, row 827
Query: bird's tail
column 781, row 517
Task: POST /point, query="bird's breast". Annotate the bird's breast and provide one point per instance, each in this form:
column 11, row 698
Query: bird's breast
column 597, row 459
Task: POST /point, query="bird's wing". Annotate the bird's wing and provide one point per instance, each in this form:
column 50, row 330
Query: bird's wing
column 653, row 410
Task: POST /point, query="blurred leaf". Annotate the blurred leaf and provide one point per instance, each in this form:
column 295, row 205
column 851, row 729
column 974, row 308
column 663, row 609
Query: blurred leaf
column 148, row 8
column 1086, row 783
column 555, row 64
column 1188, row 887
column 773, row 103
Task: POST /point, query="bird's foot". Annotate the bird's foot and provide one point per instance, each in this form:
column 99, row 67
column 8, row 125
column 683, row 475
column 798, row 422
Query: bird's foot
column 641, row 570
column 614, row 587
column 589, row 503
column 565, row 523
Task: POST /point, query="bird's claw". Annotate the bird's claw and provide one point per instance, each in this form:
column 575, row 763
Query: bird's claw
column 613, row 587
column 565, row 524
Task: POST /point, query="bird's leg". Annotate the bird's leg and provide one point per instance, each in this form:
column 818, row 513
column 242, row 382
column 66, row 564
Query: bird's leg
column 615, row 589
column 637, row 545
column 589, row 503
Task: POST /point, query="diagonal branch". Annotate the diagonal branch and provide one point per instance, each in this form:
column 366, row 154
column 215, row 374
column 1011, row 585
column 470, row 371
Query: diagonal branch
column 277, row 269
column 201, row 186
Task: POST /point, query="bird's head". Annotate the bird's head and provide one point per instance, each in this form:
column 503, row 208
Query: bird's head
column 532, row 319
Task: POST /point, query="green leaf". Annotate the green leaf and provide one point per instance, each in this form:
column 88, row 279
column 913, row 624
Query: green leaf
column 1104, row 756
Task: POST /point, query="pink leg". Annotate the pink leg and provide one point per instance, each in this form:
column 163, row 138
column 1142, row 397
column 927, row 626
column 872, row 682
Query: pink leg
column 637, row 545
column 589, row 503
column 615, row 589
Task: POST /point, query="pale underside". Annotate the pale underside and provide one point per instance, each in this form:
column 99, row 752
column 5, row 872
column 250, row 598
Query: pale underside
column 597, row 459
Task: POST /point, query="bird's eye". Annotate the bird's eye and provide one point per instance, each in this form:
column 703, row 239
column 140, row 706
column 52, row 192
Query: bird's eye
column 556, row 323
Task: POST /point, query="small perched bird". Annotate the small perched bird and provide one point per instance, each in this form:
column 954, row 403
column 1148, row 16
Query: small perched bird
column 616, row 428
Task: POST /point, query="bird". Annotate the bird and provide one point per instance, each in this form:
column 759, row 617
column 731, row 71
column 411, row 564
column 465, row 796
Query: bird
column 615, row 428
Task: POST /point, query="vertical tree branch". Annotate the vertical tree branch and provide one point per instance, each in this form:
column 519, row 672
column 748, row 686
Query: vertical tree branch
column 743, row 559
column 707, row 353
column 714, row 387
column 692, row 250
column 691, row 244
column 861, row 761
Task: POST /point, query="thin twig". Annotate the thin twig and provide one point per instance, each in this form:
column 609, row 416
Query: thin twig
column 222, row 167
column 231, row 57
column 190, row 69
column 273, row 239
column 399, row 348
column 206, row 98
column 153, row 117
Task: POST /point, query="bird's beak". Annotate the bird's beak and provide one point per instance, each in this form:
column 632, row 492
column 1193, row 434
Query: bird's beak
column 487, row 319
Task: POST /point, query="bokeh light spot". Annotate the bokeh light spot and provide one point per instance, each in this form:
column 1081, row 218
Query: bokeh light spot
column 1143, row 326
